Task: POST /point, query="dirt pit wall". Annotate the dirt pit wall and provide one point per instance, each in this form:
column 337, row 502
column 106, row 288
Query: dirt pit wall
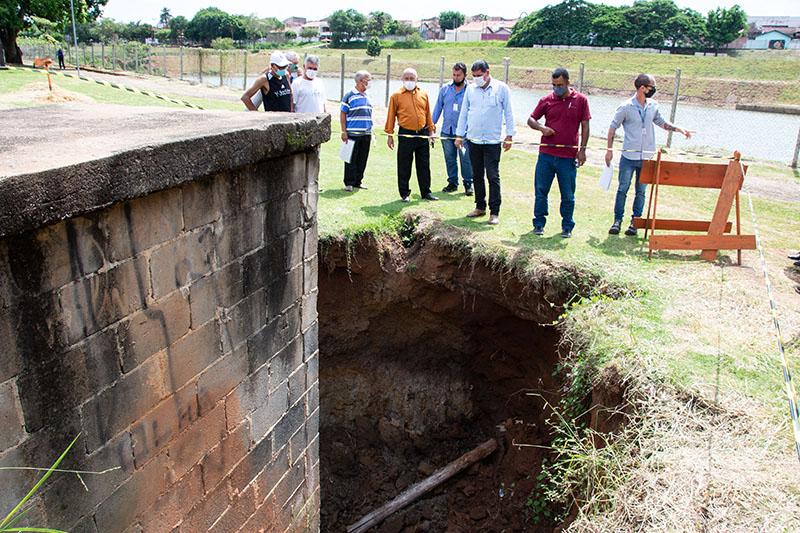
column 425, row 354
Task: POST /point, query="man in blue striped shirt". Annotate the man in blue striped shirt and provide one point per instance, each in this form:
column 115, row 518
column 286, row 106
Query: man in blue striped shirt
column 448, row 105
column 487, row 104
column 356, row 119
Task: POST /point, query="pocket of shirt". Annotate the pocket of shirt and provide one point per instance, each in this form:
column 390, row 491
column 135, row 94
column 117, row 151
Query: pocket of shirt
column 492, row 102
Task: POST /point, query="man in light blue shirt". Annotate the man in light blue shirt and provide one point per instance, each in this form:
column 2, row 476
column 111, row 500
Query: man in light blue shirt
column 448, row 105
column 637, row 117
column 487, row 103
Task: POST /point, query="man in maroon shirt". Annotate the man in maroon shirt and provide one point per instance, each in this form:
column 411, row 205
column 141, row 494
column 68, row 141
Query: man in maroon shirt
column 559, row 156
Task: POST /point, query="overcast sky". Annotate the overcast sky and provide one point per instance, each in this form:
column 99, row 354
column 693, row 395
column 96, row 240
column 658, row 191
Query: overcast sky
column 149, row 10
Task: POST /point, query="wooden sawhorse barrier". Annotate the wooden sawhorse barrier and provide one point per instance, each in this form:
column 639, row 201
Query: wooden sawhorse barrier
column 727, row 178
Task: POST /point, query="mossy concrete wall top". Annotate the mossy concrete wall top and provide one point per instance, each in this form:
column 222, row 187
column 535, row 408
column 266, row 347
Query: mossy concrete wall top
column 66, row 160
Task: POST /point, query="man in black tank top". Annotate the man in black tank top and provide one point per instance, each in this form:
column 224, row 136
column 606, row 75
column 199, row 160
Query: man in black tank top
column 274, row 87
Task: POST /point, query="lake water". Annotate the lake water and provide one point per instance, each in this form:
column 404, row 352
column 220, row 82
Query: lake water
column 720, row 131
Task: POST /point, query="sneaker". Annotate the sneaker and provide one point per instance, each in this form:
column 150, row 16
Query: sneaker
column 450, row 188
column 631, row 230
column 493, row 220
column 538, row 230
column 405, row 199
column 566, row 234
column 615, row 227
column 468, row 189
column 349, row 188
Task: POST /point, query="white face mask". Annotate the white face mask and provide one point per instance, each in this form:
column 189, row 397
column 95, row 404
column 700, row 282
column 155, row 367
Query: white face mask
column 311, row 73
column 479, row 81
column 409, row 85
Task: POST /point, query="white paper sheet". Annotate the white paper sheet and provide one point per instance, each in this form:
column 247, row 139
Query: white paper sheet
column 257, row 99
column 346, row 152
column 606, row 176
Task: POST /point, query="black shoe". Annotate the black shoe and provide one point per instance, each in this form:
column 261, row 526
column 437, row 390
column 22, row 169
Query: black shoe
column 797, row 263
column 405, row 199
column 615, row 227
column 430, row 196
column 450, row 188
column 795, row 257
column 538, row 230
column 468, row 189
column 631, row 230
column 566, row 234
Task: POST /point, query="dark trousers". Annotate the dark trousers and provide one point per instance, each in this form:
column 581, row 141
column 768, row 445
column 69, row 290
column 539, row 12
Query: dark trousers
column 354, row 170
column 418, row 150
column 486, row 158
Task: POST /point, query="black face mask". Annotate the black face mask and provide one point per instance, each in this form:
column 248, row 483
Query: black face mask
column 458, row 83
column 650, row 93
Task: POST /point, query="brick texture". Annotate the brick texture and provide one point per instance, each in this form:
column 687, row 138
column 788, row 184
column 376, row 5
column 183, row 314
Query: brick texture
column 178, row 333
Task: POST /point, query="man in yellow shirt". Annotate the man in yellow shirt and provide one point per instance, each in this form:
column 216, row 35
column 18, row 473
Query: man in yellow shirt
column 409, row 106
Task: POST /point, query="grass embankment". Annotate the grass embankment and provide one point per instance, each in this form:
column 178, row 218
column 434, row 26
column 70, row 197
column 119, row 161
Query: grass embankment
column 710, row 446
column 751, row 78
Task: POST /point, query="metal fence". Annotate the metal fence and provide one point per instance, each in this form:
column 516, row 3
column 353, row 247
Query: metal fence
column 719, row 129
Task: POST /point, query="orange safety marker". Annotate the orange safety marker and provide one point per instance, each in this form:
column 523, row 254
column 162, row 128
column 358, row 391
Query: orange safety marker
column 727, row 178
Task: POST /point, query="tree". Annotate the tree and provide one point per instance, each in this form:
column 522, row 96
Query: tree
column 405, row 29
column 163, row 20
column 209, row 23
column 647, row 22
column 309, row 32
column 725, row 25
column 177, row 27
column 373, row 47
column 450, row 20
column 378, row 23
column 257, row 28
column 16, row 16
column 290, row 34
column 610, row 27
column 346, row 25
column 569, row 22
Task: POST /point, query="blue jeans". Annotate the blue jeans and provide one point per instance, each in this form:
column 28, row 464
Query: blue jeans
column 547, row 167
column 626, row 169
column 451, row 153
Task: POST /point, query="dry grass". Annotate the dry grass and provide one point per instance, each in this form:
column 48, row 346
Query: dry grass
column 40, row 92
column 689, row 466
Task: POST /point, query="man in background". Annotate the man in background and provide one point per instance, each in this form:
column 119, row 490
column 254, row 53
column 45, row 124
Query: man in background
column 409, row 106
column 637, row 117
column 448, row 105
column 355, row 116
column 487, row 104
column 564, row 111
column 274, row 88
column 308, row 91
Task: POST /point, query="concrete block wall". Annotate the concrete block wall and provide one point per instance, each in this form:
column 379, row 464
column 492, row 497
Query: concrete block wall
column 177, row 333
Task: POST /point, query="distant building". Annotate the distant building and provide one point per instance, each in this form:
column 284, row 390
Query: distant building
column 295, row 21
column 429, row 29
column 769, row 33
column 491, row 29
column 321, row 26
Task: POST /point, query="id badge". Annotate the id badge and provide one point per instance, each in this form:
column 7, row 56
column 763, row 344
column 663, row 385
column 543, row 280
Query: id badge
column 455, row 106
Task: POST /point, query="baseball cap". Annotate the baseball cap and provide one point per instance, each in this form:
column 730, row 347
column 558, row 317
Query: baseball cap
column 278, row 58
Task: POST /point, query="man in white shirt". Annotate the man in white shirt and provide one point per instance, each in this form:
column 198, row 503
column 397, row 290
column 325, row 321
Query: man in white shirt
column 308, row 91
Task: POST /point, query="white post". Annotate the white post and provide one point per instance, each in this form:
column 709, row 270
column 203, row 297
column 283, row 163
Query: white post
column 674, row 103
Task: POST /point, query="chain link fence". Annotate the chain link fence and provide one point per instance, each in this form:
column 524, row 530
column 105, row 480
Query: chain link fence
column 692, row 102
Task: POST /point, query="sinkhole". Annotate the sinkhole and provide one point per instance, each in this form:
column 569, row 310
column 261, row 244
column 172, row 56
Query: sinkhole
column 425, row 353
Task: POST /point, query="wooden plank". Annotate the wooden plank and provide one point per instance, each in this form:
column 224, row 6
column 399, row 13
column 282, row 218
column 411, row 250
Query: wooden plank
column 703, row 242
column 730, row 186
column 415, row 491
column 686, row 174
column 675, row 224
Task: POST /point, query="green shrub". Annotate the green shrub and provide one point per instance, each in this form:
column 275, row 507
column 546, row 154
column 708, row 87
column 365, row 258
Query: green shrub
column 374, row 47
column 222, row 43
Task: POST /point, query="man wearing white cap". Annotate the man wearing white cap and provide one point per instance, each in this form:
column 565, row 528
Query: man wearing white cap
column 274, row 87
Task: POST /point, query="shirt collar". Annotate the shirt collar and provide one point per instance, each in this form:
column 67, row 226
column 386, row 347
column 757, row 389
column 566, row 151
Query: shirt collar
column 404, row 90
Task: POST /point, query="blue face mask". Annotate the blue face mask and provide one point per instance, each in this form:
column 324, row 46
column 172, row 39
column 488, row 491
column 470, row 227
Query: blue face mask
column 281, row 72
column 560, row 91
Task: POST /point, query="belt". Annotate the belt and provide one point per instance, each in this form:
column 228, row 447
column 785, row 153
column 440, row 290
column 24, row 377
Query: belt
column 406, row 131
